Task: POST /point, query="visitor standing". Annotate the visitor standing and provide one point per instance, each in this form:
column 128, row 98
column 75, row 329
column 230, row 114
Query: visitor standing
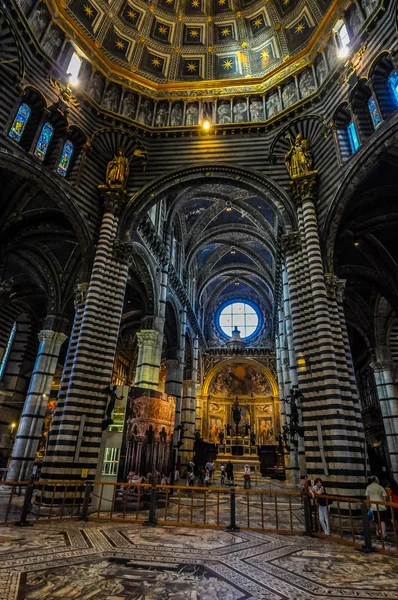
column 246, row 476
column 210, row 467
column 222, row 471
column 376, row 493
column 229, row 469
column 323, row 509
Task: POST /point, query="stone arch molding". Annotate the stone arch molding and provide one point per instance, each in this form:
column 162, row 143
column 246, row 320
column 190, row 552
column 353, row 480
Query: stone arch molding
column 245, row 361
column 253, row 181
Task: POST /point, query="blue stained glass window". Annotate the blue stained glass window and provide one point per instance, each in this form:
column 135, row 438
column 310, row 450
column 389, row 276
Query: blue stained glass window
column 20, row 121
column 353, row 137
column 374, row 113
column 7, row 351
column 66, row 156
column 243, row 314
column 393, row 85
column 44, row 140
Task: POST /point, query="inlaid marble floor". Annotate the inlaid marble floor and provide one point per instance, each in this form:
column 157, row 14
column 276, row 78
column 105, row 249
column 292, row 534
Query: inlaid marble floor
column 100, row 561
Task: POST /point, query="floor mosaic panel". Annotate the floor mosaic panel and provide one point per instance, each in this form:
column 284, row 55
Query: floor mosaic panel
column 69, row 560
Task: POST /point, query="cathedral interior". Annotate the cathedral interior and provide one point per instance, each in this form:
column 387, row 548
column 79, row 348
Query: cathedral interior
column 198, row 255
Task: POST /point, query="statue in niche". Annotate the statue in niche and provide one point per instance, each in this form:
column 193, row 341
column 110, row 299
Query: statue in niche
column 129, row 105
column 298, row 160
column 370, row 6
column 320, row 70
column 240, row 111
column 176, row 115
column 289, row 95
column 52, row 42
column 117, row 171
column 25, row 5
column 95, row 90
column 145, row 112
column 224, row 113
column 355, row 20
column 38, row 20
column 111, row 99
column 331, row 54
column 256, row 110
column 306, row 84
column 192, row 114
column 161, row 116
column 273, row 105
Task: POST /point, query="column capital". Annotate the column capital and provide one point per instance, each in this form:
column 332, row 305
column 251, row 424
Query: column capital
column 123, row 252
column 113, row 200
column 50, row 335
column 335, row 287
column 174, row 363
column 291, row 242
column 304, row 186
column 148, row 337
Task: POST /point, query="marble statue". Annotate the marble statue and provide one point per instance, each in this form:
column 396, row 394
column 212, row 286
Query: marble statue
column 256, row 110
column 176, row 115
column 298, row 160
column 369, row 6
column 161, row 116
column 192, row 114
column 111, row 99
column 129, row 105
column 95, row 90
column 38, row 20
column 117, row 171
column 145, row 113
column 52, row 42
column 306, row 84
column 273, row 105
column 289, row 95
column 25, row 5
column 320, row 70
column 224, row 113
column 240, row 111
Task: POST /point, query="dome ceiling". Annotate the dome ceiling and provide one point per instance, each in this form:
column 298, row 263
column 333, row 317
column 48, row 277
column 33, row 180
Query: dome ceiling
column 187, row 42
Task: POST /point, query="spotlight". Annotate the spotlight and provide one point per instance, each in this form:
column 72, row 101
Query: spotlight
column 233, row 251
column 343, row 52
column 229, row 207
column 206, row 124
column 356, row 243
column 236, row 282
column 73, row 81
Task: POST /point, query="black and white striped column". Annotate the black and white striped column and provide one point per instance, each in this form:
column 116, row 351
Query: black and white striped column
column 34, row 410
column 188, row 411
column 388, row 397
column 76, row 432
column 332, row 438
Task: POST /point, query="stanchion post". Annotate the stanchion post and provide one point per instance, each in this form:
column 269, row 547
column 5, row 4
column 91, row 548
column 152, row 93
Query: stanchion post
column 152, row 520
column 23, row 522
column 86, row 501
column 232, row 499
column 307, row 515
column 367, row 546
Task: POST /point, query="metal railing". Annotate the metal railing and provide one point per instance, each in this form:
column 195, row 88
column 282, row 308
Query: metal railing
column 348, row 519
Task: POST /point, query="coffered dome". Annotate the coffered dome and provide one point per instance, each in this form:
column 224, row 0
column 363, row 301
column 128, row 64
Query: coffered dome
column 191, row 41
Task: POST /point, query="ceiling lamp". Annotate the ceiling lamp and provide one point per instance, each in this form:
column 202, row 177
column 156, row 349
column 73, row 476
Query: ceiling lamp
column 228, row 207
column 206, row 124
column 233, row 251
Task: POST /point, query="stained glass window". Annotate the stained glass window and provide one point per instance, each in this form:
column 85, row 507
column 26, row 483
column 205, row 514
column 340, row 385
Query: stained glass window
column 7, row 351
column 239, row 314
column 393, row 85
column 353, row 137
column 66, row 156
column 374, row 113
column 44, row 140
column 20, row 121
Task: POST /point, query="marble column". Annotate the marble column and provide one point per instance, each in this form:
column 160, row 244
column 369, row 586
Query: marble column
column 149, row 358
column 387, row 393
column 34, row 410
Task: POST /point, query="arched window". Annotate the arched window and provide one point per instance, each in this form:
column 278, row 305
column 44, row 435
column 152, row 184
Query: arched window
column 392, row 82
column 374, row 113
column 7, row 350
column 353, row 137
column 19, row 124
column 343, row 38
column 44, row 141
column 73, row 69
column 65, row 159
